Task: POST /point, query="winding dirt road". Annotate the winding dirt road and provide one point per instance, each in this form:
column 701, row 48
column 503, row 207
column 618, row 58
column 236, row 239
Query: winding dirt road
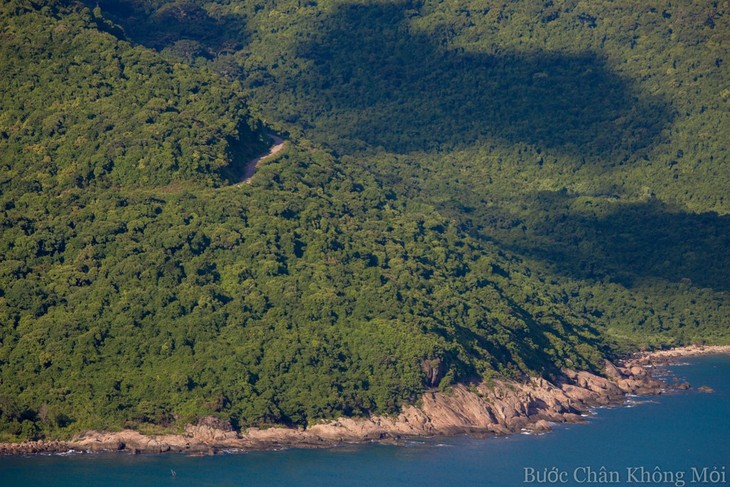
column 251, row 166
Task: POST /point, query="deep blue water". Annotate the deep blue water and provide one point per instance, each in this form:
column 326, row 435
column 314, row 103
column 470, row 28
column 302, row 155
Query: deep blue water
column 673, row 432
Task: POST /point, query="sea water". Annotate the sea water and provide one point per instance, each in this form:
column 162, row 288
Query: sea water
column 675, row 439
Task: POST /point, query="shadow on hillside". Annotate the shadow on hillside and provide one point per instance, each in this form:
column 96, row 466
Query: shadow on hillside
column 625, row 244
column 374, row 79
column 377, row 80
column 182, row 28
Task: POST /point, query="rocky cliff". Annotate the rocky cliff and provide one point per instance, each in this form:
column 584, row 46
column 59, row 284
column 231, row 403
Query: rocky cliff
column 500, row 407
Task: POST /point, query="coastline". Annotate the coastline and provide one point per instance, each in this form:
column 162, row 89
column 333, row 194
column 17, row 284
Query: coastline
column 499, row 408
column 662, row 357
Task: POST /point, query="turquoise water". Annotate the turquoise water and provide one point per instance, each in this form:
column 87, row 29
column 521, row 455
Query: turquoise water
column 674, row 432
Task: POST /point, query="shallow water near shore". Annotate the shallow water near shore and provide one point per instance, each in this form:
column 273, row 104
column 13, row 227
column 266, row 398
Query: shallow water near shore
column 681, row 433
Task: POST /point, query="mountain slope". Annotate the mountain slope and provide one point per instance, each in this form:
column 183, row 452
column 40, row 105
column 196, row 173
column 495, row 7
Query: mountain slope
column 138, row 288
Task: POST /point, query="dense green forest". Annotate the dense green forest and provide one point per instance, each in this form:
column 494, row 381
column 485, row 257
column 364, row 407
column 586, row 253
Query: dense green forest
column 470, row 189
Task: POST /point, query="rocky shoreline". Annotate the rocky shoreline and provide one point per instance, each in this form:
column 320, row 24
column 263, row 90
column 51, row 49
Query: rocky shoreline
column 499, row 408
column 665, row 357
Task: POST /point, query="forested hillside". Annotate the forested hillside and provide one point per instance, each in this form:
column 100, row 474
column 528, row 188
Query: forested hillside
column 469, row 190
column 590, row 139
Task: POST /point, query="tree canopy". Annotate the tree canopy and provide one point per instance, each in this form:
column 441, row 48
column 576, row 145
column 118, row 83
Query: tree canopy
column 468, row 190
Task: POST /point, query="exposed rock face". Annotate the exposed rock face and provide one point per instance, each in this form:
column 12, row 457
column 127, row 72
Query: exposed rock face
column 205, row 437
column 29, row 447
column 210, row 429
column 433, row 370
column 131, row 441
column 501, row 407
